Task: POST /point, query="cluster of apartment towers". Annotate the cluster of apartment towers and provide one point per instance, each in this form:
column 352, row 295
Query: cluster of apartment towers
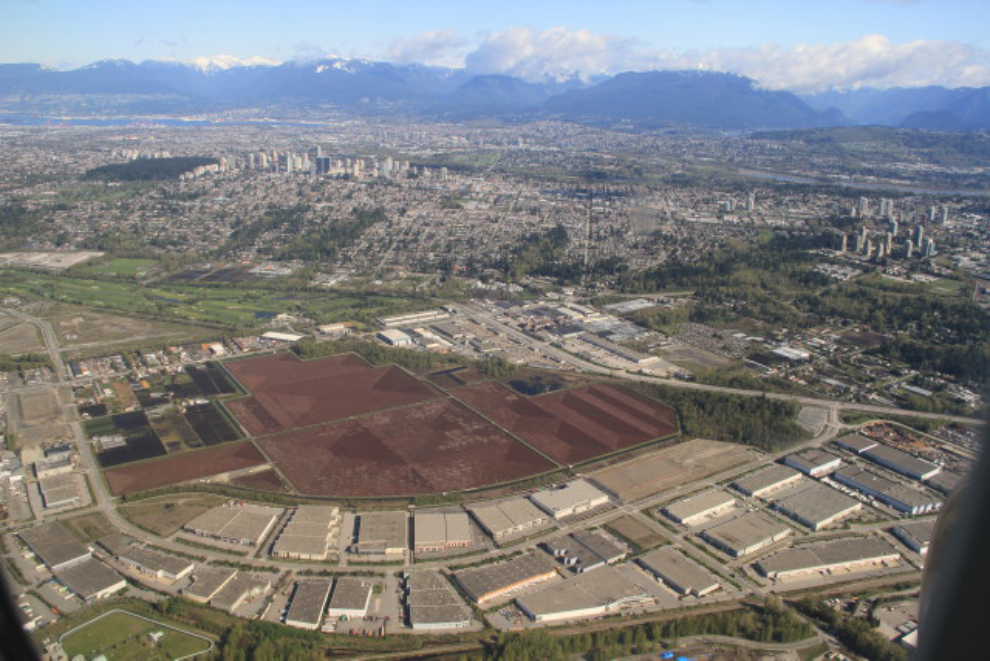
column 881, row 246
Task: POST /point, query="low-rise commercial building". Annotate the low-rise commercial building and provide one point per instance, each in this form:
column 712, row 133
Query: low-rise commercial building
column 308, row 601
column 813, row 462
column 207, row 582
column 585, row 550
column 59, row 491
column 746, row 534
column 382, row 533
column 351, row 597
column 91, row 580
column 489, row 582
column 240, row 589
column 902, row 498
column 432, row 604
column 901, row 462
column 235, row 523
column 54, row 546
column 817, row 506
column 826, row 557
column 680, row 573
column 916, row 535
column 767, row 480
column 856, row 443
column 440, row 531
column 588, row 595
column 570, row 499
column 309, row 534
column 509, row 517
column 697, row 508
column 944, row 481
column 154, row 563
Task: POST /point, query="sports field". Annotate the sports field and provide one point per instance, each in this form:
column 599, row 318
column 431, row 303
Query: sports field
column 287, row 393
column 122, row 635
column 572, row 426
column 182, row 467
column 433, row 447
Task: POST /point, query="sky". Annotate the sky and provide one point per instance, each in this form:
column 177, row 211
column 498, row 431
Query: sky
column 801, row 45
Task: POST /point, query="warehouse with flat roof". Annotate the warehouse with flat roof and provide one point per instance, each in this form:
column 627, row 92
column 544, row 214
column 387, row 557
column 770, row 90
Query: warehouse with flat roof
column 309, row 534
column 902, row 498
column 813, row 462
column 593, row 594
column 433, row 604
column 382, row 533
column 901, row 462
column 916, row 535
column 746, row 534
column 944, row 481
column 817, row 506
column 239, row 589
column 569, row 499
column 207, row 582
column 856, row 443
column 235, row 523
column 849, row 554
column 488, row 582
column 440, row 531
column 584, row 550
column 697, row 508
column 508, row 517
column 53, row 545
column 308, row 600
column 91, row 580
column 682, row 574
column 154, row 563
column 767, row 480
column 58, row 491
column 351, row 597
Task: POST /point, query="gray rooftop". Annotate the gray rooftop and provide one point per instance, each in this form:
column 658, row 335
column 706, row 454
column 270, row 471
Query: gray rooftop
column 674, row 567
column 308, row 601
column 481, row 581
column 53, row 544
column 750, row 529
column 856, row 442
column 351, row 593
column 239, row 586
column 823, row 555
column 816, row 504
column 89, row 578
column 812, row 459
column 919, row 533
column 698, row 504
column 765, row 478
column 899, row 460
column 506, row 515
column 379, row 531
column 452, row 614
column 207, row 580
column 945, row 481
column 154, row 560
column 603, row 587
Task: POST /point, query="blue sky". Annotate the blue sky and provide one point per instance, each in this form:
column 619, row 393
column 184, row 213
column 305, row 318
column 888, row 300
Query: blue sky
column 780, row 42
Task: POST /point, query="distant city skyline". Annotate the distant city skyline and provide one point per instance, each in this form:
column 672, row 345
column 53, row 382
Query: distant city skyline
column 804, row 46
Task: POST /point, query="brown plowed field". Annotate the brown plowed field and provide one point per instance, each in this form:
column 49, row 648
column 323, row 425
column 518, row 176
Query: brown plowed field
column 183, row 467
column 287, row 393
column 434, row 447
column 572, row 426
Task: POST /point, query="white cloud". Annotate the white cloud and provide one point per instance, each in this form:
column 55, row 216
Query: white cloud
column 871, row 61
column 437, row 47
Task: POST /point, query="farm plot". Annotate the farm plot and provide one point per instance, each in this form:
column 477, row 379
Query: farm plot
column 124, row 438
column 287, row 393
column 434, row 447
column 183, row 467
column 210, row 424
column 573, row 426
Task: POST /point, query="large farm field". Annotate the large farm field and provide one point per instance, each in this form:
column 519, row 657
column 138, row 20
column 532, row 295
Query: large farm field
column 182, row 467
column 572, row 426
column 287, row 393
column 434, row 447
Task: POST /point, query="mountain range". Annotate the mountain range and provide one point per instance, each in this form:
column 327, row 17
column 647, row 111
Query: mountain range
column 655, row 99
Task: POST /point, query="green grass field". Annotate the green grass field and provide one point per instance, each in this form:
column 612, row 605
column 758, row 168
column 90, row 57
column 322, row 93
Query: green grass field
column 121, row 635
column 122, row 267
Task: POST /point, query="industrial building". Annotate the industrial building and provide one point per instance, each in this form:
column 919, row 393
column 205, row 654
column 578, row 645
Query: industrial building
column 593, row 594
column 570, row 499
column 235, row 523
column 916, row 535
column 308, row 601
column 678, row 572
column 382, row 533
column 901, row 462
column 585, row 550
column 767, row 480
column 856, row 443
column 817, row 506
column 207, row 582
column 848, row 554
column 394, row 337
column 91, row 580
column 432, row 604
column 440, row 531
column 311, row 531
column 692, row 511
column 54, row 546
column 488, row 582
column 414, row 318
column 508, row 517
column 944, row 481
column 902, row 498
column 813, row 462
column 746, row 534
column 154, row 563
column 239, row 589
column 351, row 597
column 58, row 491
